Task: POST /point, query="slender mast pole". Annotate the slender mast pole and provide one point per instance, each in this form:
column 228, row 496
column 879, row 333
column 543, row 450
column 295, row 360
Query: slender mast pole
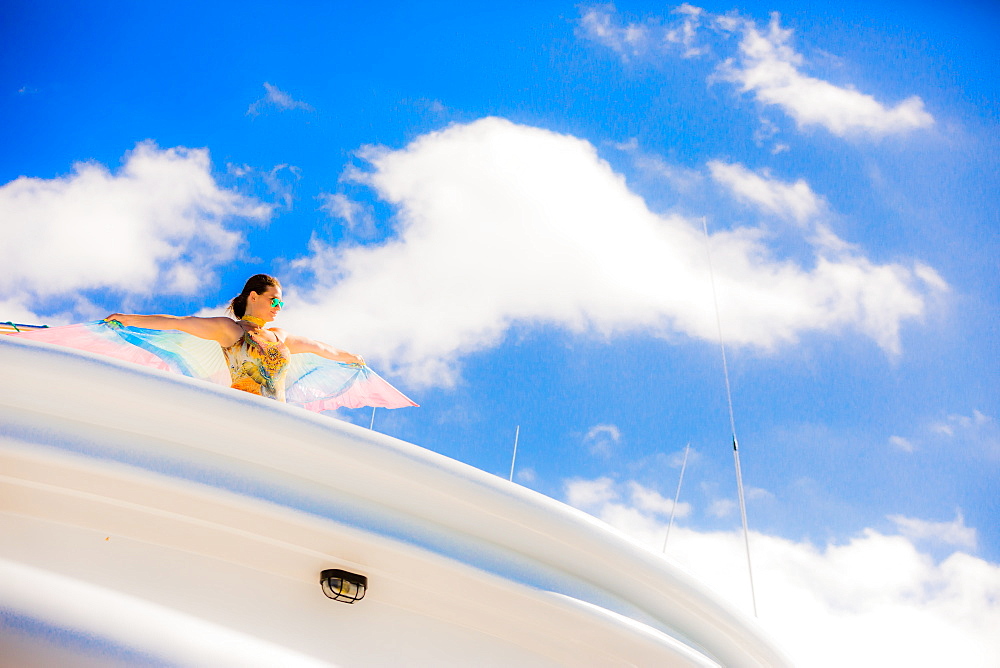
column 372, row 424
column 517, row 432
column 732, row 419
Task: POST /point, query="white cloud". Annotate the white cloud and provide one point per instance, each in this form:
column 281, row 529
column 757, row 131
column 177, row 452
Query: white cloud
column 721, row 507
column 684, row 180
column 789, row 200
column 601, row 438
column 875, row 601
column 769, row 67
column 953, row 533
column 630, row 498
column 930, row 277
column 686, row 33
column 158, row 224
column 276, row 98
column 586, row 494
column 526, row 475
column 956, row 421
column 13, row 310
column 277, row 183
column 500, row 224
column 977, row 431
column 652, row 502
column 634, row 40
column 901, row 443
column 599, row 25
column 765, row 65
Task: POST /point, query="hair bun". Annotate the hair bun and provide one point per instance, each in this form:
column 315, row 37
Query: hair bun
column 258, row 283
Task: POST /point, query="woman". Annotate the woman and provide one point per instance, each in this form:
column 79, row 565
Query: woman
column 258, row 358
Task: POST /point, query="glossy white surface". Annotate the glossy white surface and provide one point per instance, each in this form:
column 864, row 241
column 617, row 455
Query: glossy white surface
column 153, row 519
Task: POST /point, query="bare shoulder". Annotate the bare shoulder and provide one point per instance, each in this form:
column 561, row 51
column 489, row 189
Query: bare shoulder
column 221, row 322
column 279, row 332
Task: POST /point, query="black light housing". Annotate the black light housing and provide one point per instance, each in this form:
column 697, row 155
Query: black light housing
column 343, row 586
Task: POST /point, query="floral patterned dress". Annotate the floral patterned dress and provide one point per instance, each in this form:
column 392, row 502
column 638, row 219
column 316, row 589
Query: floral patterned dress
column 258, row 366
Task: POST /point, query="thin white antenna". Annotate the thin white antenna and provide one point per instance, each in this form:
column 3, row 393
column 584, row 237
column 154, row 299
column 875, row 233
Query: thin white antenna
column 676, row 496
column 732, row 420
column 517, row 432
column 372, row 425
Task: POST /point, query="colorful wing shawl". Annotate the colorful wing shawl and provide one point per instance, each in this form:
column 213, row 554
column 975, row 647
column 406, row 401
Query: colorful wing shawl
column 312, row 382
column 319, row 384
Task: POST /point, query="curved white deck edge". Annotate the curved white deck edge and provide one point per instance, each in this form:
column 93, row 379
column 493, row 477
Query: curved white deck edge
column 155, row 431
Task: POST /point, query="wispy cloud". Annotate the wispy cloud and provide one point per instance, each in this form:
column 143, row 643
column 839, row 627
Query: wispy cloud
column 605, row 495
column 980, row 432
column 599, row 24
column 276, row 184
column 901, row 443
column 953, row 533
column 791, row 200
column 874, row 600
column 15, row 309
column 526, row 475
column 641, row 40
column 357, row 216
column 587, row 494
column 957, row 423
column 721, row 508
column 601, row 439
column 651, row 501
column 765, row 65
column 275, row 98
column 976, row 433
column 768, row 67
column 158, row 224
column 540, row 230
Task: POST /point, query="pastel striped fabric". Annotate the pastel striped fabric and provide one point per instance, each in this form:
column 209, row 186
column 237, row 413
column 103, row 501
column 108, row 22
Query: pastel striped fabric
column 313, row 382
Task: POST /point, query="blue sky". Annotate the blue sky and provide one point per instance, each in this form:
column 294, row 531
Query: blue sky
column 502, row 209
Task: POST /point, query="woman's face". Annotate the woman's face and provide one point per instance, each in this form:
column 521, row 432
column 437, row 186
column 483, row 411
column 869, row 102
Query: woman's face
column 264, row 304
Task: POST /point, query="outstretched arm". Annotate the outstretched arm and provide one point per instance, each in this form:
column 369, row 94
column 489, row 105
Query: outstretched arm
column 223, row 330
column 301, row 344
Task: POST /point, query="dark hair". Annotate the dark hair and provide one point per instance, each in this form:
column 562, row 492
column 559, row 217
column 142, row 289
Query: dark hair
column 259, row 284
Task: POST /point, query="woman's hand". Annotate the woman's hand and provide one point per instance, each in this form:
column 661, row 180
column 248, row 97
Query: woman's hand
column 120, row 317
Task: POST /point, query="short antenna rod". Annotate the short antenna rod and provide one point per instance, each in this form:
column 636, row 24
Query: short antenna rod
column 677, row 496
column 517, row 432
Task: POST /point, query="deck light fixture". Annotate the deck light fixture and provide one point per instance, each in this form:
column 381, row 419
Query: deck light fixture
column 343, row 586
